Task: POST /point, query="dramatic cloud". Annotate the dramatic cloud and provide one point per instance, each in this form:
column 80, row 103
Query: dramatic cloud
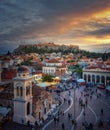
column 79, row 22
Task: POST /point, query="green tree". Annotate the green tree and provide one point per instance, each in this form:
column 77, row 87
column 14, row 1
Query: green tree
column 47, row 78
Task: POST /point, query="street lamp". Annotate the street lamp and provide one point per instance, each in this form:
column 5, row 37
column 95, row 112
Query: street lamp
column 74, row 109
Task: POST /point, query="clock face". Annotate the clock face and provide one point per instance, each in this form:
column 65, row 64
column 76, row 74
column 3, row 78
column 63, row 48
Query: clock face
column 27, row 90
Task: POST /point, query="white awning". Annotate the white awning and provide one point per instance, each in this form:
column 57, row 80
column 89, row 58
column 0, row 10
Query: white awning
column 108, row 88
column 80, row 80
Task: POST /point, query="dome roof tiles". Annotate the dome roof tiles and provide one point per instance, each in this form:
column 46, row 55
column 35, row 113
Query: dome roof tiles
column 23, row 69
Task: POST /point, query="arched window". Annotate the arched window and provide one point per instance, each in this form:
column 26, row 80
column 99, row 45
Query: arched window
column 17, row 91
column 89, row 78
column 103, row 79
column 85, row 77
column 93, row 78
column 98, row 79
column 108, row 80
column 27, row 90
column 21, row 91
column 28, row 108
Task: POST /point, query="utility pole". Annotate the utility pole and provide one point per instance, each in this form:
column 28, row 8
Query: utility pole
column 74, row 110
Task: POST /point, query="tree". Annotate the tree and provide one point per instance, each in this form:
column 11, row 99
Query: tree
column 47, row 78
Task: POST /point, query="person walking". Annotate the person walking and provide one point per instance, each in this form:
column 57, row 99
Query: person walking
column 69, row 116
column 101, row 111
column 69, row 101
column 64, row 100
column 90, row 97
column 55, row 120
column 86, row 102
column 63, row 126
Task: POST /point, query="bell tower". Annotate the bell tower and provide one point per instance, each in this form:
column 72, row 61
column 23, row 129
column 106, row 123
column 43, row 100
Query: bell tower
column 0, row 71
column 22, row 95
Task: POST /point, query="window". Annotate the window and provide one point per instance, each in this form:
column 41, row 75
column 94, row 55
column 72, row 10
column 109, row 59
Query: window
column 27, row 90
column 28, row 108
column 21, row 91
column 17, row 91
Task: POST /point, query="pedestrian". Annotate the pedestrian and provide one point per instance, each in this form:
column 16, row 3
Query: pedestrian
column 97, row 96
column 69, row 102
column 79, row 101
column 100, row 95
column 55, row 120
column 63, row 126
column 90, row 126
column 84, row 113
column 28, row 123
column 69, row 116
column 72, row 121
column 96, row 90
column 101, row 111
column 63, row 113
column 90, row 96
column 64, row 100
column 86, row 101
column 58, row 113
column 42, row 120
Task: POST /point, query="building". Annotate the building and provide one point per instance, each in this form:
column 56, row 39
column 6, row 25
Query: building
column 31, row 103
column 0, row 71
column 42, row 103
column 54, row 67
column 28, row 102
column 97, row 75
column 23, row 96
column 8, row 74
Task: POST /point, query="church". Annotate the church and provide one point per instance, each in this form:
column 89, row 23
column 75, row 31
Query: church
column 29, row 102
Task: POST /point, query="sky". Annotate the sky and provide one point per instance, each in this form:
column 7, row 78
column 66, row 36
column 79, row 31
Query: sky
column 78, row 22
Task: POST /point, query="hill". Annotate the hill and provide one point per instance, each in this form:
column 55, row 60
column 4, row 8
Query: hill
column 45, row 48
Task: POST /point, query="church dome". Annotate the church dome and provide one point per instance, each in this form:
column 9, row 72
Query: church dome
column 23, row 69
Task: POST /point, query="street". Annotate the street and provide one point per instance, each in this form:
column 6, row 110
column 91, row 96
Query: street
column 91, row 109
column 90, row 113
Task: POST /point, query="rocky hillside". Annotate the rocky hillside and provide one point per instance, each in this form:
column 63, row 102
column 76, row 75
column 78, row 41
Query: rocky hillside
column 45, row 47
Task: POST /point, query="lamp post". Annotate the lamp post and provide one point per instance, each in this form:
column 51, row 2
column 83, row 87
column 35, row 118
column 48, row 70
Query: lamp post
column 74, row 111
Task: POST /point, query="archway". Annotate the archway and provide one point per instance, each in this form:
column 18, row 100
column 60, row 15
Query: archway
column 21, row 91
column 17, row 91
column 108, row 80
column 93, row 78
column 28, row 108
column 97, row 79
column 103, row 79
column 89, row 78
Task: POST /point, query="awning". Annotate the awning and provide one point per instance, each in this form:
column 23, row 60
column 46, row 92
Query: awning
column 81, row 80
column 4, row 111
column 108, row 88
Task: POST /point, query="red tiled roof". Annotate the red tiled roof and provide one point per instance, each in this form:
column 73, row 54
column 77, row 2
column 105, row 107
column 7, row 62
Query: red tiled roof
column 53, row 61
